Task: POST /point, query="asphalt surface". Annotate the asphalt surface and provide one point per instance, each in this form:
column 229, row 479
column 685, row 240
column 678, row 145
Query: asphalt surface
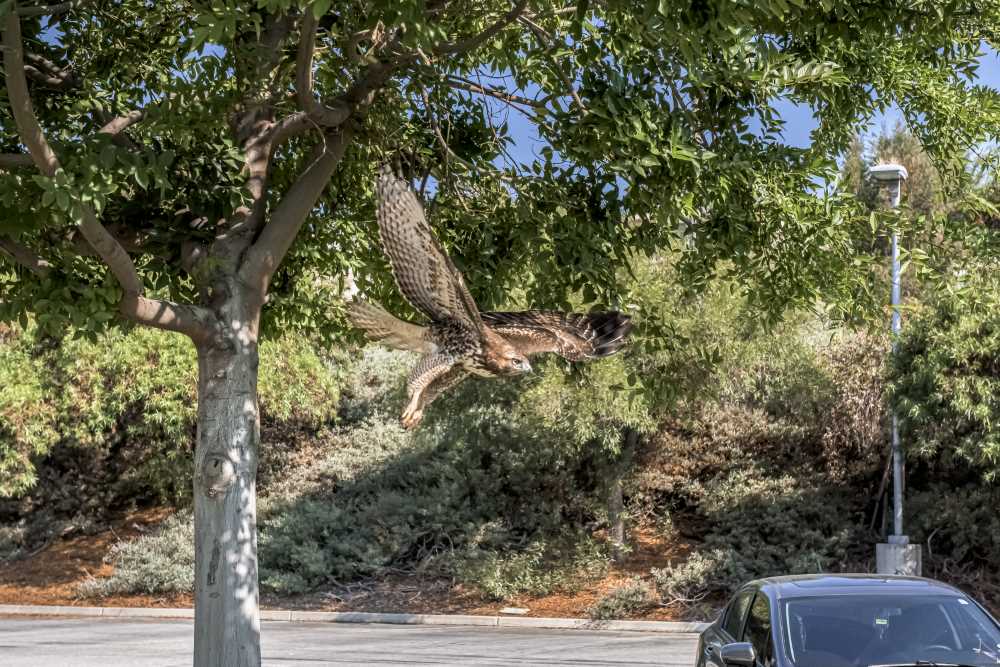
column 81, row 642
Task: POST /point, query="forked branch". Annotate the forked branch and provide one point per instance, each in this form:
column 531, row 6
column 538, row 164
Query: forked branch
column 321, row 114
column 161, row 314
column 290, row 214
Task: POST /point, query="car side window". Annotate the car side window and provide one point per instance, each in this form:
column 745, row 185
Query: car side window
column 758, row 630
column 736, row 613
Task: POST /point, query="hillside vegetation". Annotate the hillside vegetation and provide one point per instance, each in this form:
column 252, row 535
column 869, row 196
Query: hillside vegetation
column 766, row 450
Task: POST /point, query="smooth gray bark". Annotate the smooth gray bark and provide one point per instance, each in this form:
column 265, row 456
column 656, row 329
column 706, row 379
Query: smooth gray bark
column 227, row 621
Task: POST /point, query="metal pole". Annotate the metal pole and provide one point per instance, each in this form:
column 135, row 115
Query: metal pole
column 897, row 454
column 898, row 556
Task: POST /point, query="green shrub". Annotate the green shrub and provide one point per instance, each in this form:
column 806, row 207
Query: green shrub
column 772, row 473
column 27, row 418
column 960, row 529
column 945, row 379
column 538, row 569
column 117, row 416
column 12, row 540
column 480, row 492
column 161, row 562
column 698, row 576
column 624, row 601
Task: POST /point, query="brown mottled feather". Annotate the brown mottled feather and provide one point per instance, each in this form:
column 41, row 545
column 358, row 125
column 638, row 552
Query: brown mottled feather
column 575, row 336
column 428, row 369
column 423, row 271
column 444, row 383
column 383, row 327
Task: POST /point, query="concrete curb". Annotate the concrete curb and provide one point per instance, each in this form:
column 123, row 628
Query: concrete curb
column 367, row 617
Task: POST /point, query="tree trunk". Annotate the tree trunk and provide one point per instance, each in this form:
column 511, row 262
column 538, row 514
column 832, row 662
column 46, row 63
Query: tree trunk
column 616, row 501
column 227, row 621
column 616, row 518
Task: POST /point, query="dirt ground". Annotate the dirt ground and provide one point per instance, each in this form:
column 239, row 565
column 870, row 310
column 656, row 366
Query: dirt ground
column 51, row 577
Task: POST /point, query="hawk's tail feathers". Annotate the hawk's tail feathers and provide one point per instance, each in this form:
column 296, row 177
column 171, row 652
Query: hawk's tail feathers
column 607, row 332
column 384, row 328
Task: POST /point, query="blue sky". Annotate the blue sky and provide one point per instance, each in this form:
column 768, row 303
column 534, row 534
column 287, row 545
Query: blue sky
column 800, row 121
column 799, row 118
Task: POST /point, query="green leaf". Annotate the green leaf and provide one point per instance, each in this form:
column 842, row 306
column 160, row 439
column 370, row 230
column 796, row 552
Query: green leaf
column 321, row 7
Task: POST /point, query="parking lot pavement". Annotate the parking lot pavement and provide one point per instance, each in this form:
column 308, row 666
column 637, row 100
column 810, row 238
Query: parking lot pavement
column 83, row 642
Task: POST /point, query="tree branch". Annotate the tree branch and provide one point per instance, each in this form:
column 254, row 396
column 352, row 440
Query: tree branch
column 20, row 101
column 471, row 43
column 290, row 214
column 253, row 128
column 358, row 95
column 550, row 40
column 24, row 256
column 319, row 112
column 436, row 128
column 133, row 304
column 47, row 73
column 49, row 10
column 15, row 160
column 122, row 123
column 194, row 321
column 291, row 126
column 460, row 82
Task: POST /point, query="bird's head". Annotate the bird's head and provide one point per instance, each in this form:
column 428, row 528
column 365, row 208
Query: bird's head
column 500, row 357
column 515, row 363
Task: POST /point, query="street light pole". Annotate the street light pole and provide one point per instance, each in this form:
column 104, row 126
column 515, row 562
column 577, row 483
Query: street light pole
column 898, row 556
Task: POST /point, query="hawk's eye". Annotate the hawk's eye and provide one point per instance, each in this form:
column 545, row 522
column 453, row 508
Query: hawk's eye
column 517, row 363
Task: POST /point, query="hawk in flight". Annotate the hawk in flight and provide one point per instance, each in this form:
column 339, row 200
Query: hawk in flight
column 460, row 340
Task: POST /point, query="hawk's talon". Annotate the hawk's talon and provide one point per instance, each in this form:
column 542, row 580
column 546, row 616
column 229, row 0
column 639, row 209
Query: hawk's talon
column 411, row 418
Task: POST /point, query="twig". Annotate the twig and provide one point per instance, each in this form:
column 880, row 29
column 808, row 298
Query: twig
column 50, row 10
column 460, row 82
column 550, row 40
column 448, row 152
column 471, row 43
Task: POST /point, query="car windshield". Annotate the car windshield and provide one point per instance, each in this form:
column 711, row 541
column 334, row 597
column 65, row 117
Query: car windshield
column 863, row 630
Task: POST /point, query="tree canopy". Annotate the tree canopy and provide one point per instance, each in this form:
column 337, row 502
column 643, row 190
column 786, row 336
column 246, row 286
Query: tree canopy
column 657, row 122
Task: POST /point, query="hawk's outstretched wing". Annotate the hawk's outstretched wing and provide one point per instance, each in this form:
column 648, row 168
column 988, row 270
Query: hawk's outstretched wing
column 425, row 274
column 575, row 336
column 383, row 327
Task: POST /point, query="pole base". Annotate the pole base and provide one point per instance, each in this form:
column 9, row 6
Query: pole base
column 903, row 559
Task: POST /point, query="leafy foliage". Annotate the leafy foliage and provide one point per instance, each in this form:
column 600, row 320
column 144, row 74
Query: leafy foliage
column 27, row 420
column 121, row 411
column 658, row 122
column 945, row 377
column 161, row 562
column 771, row 473
column 476, row 479
column 622, row 602
column 767, row 460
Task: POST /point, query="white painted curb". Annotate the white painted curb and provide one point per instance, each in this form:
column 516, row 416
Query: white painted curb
column 367, row 617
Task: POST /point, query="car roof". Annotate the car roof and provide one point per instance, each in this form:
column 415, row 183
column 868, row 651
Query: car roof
column 812, row 585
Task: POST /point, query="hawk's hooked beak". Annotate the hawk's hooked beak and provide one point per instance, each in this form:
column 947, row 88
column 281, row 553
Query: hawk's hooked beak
column 527, row 367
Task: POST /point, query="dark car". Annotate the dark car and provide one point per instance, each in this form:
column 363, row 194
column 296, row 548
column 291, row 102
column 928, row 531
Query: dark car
column 850, row 621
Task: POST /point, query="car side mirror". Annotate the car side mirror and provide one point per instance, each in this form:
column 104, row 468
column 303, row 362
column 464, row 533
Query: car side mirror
column 740, row 654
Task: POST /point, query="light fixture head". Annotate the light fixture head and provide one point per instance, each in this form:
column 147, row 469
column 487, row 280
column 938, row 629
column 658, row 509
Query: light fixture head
column 888, row 172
